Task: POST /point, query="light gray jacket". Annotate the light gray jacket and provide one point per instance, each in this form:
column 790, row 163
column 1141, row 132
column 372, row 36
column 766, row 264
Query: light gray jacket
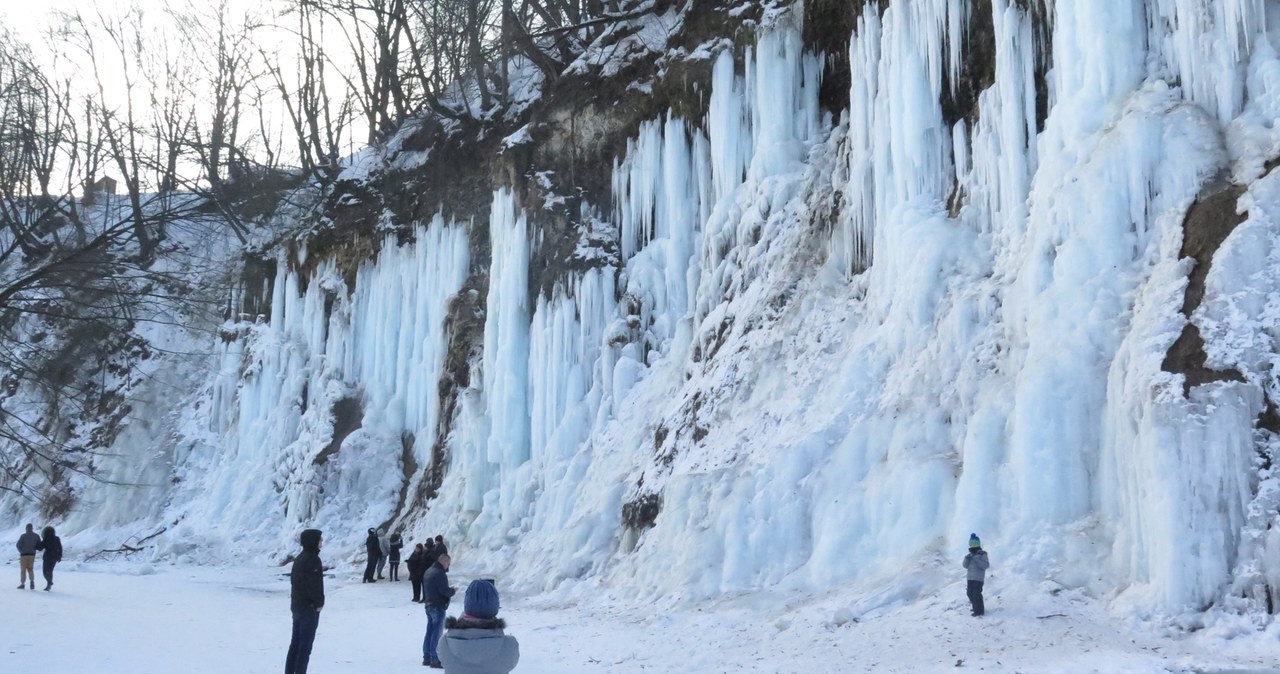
column 977, row 564
column 478, row 647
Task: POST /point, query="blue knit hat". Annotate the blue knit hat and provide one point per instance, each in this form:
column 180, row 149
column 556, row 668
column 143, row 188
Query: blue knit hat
column 974, row 542
column 482, row 600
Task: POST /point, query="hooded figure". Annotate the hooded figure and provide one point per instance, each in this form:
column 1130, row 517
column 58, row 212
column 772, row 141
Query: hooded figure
column 416, row 569
column 374, row 551
column 306, row 580
column 394, row 556
column 475, row 643
column 976, row 564
column 52, row 546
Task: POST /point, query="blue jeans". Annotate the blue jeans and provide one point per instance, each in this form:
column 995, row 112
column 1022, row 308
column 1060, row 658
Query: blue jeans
column 305, row 623
column 435, row 627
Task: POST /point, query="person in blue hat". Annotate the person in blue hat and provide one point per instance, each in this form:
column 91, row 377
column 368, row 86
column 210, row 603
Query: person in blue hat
column 475, row 643
column 976, row 563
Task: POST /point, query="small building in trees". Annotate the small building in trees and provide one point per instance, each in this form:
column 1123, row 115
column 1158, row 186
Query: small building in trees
column 104, row 186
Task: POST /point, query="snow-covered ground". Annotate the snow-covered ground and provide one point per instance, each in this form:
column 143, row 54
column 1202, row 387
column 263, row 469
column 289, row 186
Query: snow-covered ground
column 144, row 619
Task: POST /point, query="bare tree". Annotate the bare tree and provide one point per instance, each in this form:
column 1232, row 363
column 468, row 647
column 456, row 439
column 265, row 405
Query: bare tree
column 74, row 280
column 225, row 43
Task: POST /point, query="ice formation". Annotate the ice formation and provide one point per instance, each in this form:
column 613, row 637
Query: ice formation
column 973, row 341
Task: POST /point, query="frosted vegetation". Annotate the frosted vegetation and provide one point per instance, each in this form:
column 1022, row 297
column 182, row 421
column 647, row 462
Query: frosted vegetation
column 829, row 349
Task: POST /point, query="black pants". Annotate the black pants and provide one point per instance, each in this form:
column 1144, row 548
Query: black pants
column 416, row 581
column 369, row 568
column 305, row 622
column 47, row 568
column 975, row 597
column 394, row 573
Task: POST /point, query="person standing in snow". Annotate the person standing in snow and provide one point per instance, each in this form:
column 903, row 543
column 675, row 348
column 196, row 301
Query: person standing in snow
column 306, row 580
column 396, row 544
column 429, row 554
column 375, row 552
column 440, row 548
column 436, row 593
column 977, row 564
column 28, row 544
column 416, row 568
column 384, row 549
column 475, row 642
column 52, row 546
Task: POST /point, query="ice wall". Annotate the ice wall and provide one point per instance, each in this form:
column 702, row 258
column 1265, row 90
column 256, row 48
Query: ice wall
column 262, row 458
column 827, row 350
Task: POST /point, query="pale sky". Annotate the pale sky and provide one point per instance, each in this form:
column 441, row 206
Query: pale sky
column 28, row 19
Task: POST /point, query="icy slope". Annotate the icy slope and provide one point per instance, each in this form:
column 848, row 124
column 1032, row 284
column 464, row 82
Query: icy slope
column 826, row 350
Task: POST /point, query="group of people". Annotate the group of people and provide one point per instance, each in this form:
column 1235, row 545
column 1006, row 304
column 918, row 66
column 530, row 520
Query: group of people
column 472, row 643
column 29, row 543
column 381, row 549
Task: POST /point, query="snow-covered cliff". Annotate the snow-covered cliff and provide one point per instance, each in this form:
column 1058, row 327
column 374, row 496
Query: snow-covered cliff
column 767, row 342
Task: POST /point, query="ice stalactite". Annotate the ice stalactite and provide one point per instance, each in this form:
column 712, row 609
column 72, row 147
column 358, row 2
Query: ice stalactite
column 506, row 365
column 1205, row 47
column 382, row 347
column 899, row 148
column 397, row 330
column 996, row 158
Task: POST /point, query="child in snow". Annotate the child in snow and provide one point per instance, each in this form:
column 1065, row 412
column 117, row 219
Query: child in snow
column 475, row 643
column 977, row 565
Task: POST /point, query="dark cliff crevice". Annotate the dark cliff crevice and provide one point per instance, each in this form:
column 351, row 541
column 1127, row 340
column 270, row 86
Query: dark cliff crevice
column 977, row 70
column 1206, row 226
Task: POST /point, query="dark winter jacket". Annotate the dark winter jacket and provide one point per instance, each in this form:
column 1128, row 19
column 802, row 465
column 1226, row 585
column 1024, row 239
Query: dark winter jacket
column 429, row 555
column 52, row 546
column 28, row 543
column 307, row 578
column 417, row 564
column 977, row 564
column 396, row 544
column 372, row 546
column 472, row 646
column 435, row 587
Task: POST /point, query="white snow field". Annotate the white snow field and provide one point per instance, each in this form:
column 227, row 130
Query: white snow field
column 142, row 619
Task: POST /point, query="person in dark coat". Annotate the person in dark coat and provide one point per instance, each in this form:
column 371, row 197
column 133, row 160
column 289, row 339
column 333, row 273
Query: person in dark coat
column 976, row 565
column 429, row 554
column 396, row 543
column 441, row 548
column 28, row 545
column 436, row 594
column 475, row 642
column 52, row 546
column 374, row 550
column 416, row 569
column 306, row 579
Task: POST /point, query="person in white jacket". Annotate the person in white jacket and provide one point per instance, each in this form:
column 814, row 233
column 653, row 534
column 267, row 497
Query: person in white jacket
column 384, row 545
column 475, row 643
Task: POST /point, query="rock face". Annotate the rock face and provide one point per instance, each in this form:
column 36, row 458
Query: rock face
column 759, row 294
